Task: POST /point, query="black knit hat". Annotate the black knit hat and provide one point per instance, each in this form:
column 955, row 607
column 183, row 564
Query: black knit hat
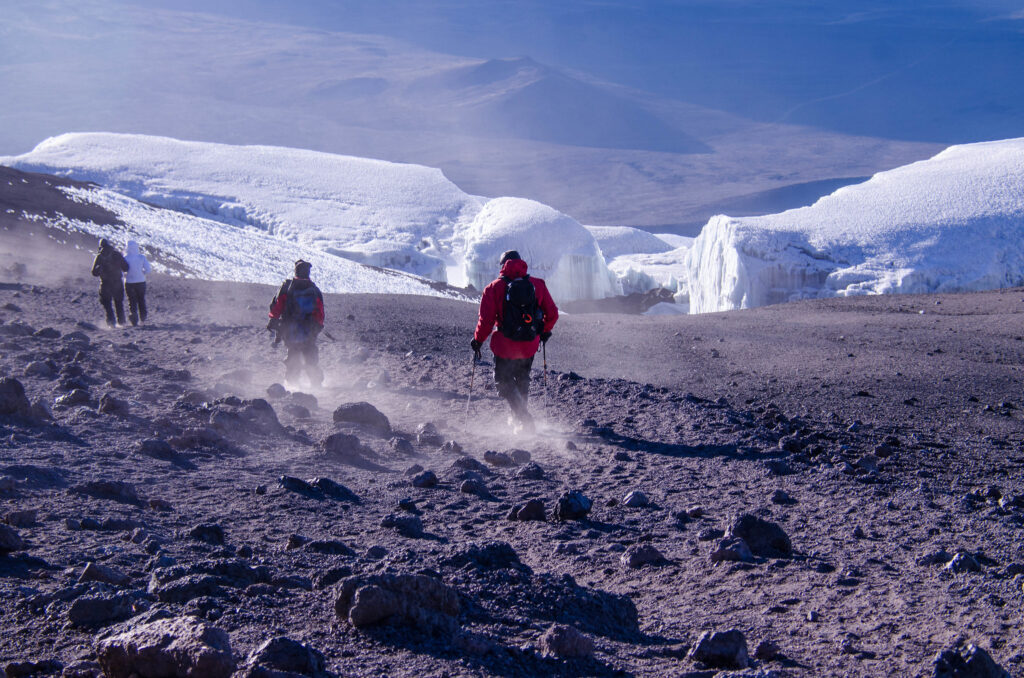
column 302, row 268
column 510, row 255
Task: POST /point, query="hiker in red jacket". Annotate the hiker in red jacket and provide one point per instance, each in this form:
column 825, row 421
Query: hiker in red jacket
column 297, row 313
column 524, row 313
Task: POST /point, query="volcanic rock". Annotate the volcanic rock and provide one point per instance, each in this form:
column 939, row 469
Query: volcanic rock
column 401, row 446
column 180, row 646
column 285, row 655
column 24, row 518
column 426, row 479
column 114, row 490
column 276, row 391
column 963, row 562
column 499, row 459
column 334, row 490
column 365, row 415
column 12, row 398
column 157, row 449
column 531, row 471
column 211, row 533
column 418, row 601
column 573, row 505
column 531, row 510
column 110, row 404
column 721, row 650
column 342, row 447
column 565, row 641
column 427, row 434
column 407, row 526
column 90, row 611
column 968, row 661
column 638, row 555
column 10, row 540
column 732, row 549
column 635, row 499
column 104, row 574
column 763, row 537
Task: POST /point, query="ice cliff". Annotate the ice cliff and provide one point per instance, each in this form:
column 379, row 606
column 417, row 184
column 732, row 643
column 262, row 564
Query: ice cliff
column 952, row 223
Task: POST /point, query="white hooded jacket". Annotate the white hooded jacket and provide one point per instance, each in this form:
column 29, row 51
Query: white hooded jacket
column 138, row 265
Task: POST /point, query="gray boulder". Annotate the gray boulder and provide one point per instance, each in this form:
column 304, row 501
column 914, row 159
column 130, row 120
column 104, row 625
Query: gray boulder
column 364, row 415
column 763, row 537
column 565, row 641
column 180, row 646
column 13, row 401
column 573, row 505
column 721, row 650
column 283, row 654
column 638, row 555
column 10, row 540
column 968, row 661
column 417, row 601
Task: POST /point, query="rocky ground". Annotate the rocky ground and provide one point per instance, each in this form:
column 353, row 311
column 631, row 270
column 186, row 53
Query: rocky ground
column 827, row 488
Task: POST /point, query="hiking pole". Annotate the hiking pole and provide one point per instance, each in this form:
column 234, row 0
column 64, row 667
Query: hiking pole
column 472, row 377
column 544, row 352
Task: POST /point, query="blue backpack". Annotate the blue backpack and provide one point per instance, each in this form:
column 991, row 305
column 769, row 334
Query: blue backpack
column 298, row 313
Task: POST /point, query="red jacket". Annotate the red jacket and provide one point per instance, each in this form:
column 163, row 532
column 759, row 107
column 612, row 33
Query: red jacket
column 492, row 307
column 281, row 300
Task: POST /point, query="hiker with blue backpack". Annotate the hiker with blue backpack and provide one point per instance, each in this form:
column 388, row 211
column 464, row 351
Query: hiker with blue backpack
column 524, row 313
column 297, row 314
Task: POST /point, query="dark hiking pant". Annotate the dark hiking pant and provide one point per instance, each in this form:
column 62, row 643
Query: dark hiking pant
column 136, row 301
column 512, row 377
column 111, row 298
column 303, row 356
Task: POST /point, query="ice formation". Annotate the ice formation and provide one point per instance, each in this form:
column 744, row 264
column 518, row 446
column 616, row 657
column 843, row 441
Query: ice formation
column 556, row 247
column 642, row 261
column 395, row 216
column 952, row 223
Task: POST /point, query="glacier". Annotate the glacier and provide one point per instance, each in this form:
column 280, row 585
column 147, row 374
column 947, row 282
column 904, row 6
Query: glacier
column 954, row 222
column 394, row 216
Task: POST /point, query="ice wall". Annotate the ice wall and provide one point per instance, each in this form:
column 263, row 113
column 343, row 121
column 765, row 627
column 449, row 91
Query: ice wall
column 954, row 222
column 556, row 247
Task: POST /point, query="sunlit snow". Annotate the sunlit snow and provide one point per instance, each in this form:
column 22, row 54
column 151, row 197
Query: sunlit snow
column 951, row 223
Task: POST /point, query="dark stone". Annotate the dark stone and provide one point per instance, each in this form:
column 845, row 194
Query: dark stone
column 427, row 479
column 285, row 654
column 531, row 471
column 573, row 505
column 407, row 526
column 110, row 404
column 211, row 533
column 12, row 398
column 334, row 490
column 721, row 649
column 782, row 498
column 10, row 540
column 186, row 588
column 496, row 555
column 763, row 537
column 329, row 547
column 293, row 484
column 342, row 447
column 276, row 391
column 531, row 510
column 565, row 641
column 365, row 415
column 499, row 459
column 179, row 646
column 401, row 446
column 968, row 661
column 157, row 449
column 422, row 603
column 91, row 611
column 115, row 490
column 519, row 456
column 427, row 434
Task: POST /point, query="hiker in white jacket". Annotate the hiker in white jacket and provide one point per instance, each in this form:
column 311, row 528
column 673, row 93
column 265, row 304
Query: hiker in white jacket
column 135, row 282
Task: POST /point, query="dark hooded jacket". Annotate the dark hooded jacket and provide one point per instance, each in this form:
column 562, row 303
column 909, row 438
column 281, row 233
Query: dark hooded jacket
column 109, row 265
column 492, row 308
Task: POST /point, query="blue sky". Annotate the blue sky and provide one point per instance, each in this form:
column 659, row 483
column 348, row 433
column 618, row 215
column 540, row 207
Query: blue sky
column 924, row 71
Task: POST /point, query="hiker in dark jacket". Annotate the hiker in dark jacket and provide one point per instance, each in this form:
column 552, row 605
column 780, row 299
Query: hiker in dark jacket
column 297, row 313
column 109, row 266
column 513, row 357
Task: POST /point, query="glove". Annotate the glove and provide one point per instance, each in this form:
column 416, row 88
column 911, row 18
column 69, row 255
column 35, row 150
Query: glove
column 273, row 324
column 544, row 336
column 476, row 349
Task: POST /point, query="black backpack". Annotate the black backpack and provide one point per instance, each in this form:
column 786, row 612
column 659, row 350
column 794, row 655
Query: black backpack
column 522, row 317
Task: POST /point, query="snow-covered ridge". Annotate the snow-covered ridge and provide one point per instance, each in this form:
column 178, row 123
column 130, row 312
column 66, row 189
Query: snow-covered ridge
column 952, row 223
column 398, row 216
